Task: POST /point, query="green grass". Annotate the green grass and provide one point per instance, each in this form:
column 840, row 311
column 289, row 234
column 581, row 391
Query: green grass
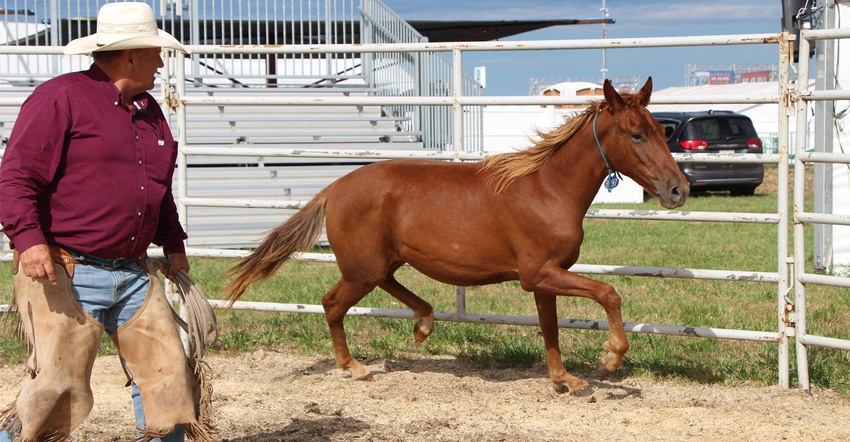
column 702, row 245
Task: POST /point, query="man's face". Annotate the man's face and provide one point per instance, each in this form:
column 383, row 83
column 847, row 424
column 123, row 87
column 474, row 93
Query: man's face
column 147, row 63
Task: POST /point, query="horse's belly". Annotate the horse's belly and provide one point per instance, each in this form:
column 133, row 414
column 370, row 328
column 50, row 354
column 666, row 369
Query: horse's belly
column 453, row 264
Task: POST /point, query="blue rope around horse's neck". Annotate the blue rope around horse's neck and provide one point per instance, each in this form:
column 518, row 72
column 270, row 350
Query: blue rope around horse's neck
column 613, row 178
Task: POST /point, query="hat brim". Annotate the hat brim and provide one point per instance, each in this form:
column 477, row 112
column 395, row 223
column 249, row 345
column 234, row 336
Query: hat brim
column 88, row 44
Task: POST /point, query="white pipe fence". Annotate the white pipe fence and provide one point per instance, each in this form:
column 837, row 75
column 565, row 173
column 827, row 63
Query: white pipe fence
column 457, row 101
column 802, row 278
column 791, row 321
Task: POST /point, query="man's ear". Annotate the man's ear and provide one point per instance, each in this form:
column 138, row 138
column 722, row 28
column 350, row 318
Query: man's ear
column 129, row 57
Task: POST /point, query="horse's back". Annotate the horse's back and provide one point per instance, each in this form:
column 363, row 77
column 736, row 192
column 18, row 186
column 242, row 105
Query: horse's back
column 413, row 172
column 405, row 181
column 402, row 188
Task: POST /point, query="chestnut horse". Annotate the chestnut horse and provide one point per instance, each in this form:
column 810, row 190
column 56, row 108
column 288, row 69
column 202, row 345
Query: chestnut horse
column 514, row 216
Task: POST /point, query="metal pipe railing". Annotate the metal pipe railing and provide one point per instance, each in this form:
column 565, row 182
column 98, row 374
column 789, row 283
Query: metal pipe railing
column 802, row 278
column 790, row 275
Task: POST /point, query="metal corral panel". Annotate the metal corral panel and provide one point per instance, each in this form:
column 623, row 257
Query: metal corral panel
column 284, row 179
column 272, row 178
column 229, row 227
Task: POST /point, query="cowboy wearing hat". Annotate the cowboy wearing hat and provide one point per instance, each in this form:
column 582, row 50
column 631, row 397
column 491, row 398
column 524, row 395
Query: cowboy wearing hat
column 85, row 188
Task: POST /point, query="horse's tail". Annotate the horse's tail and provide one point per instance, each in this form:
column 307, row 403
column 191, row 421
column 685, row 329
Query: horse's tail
column 297, row 234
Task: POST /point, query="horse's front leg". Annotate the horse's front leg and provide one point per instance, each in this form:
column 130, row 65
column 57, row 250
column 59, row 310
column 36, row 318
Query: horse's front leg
column 548, row 316
column 336, row 303
column 564, row 283
column 617, row 344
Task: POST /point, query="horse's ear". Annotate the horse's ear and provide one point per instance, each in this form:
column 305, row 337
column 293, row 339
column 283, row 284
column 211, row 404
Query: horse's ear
column 642, row 97
column 615, row 101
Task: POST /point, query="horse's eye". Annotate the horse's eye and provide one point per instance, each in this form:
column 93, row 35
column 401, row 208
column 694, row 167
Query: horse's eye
column 637, row 138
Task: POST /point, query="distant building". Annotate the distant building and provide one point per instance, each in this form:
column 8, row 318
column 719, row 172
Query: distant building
column 572, row 89
column 624, row 84
column 730, row 73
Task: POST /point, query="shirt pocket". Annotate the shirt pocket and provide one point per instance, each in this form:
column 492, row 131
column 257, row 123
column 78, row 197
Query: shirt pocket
column 160, row 156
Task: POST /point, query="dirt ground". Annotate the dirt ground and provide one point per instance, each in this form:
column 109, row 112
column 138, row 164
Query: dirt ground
column 270, row 396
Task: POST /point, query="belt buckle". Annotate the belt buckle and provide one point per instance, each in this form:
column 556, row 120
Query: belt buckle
column 114, row 264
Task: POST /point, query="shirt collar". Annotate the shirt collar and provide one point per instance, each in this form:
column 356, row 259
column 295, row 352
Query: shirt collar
column 97, row 74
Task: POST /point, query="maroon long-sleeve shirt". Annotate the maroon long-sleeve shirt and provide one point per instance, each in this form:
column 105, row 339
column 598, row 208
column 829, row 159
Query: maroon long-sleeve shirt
column 83, row 170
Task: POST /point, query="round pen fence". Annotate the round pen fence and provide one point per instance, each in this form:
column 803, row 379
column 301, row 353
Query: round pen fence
column 805, row 158
column 792, row 97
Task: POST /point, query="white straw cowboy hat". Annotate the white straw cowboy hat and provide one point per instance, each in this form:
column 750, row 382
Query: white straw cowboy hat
column 130, row 25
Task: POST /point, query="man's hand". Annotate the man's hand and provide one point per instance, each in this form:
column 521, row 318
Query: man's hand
column 177, row 262
column 37, row 263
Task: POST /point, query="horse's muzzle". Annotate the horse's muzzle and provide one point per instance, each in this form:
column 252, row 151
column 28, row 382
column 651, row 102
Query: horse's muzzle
column 674, row 197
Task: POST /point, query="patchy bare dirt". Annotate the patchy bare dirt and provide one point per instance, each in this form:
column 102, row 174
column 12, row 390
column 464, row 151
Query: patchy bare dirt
column 269, row 396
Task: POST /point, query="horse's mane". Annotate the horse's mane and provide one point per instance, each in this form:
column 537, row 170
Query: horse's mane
column 509, row 167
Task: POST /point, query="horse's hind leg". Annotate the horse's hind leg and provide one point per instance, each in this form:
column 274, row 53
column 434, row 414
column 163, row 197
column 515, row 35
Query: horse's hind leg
column 548, row 316
column 336, row 303
column 423, row 312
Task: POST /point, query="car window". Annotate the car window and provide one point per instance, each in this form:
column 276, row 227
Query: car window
column 669, row 127
column 738, row 128
column 718, row 129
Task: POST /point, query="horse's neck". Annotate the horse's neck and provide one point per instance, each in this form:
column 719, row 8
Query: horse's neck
column 577, row 168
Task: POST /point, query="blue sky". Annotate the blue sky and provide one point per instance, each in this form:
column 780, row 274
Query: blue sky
column 509, row 73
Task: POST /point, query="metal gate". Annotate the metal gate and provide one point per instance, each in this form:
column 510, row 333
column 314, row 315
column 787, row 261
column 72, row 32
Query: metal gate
column 806, row 157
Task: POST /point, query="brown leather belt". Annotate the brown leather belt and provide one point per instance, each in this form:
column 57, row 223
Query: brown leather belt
column 59, row 255
column 64, row 258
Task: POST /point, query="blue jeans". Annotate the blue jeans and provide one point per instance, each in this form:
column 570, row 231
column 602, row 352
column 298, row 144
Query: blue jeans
column 113, row 297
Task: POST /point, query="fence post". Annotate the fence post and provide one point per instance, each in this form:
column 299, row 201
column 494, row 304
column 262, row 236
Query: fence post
column 457, row 92
column 799, row 315
column 784, row 285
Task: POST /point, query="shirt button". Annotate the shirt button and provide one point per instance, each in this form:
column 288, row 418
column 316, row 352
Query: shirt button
column 143, row 187
column 137, row 137
column 133, row 238
column 140, row 162
column 139, row 214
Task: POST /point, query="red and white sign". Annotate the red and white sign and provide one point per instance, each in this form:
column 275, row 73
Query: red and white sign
column 754, row 77
column 720, row 78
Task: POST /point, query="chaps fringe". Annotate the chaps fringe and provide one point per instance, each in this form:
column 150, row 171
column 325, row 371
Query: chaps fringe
column 11, row 423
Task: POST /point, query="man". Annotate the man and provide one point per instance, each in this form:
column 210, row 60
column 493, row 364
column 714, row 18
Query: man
column 85, row 188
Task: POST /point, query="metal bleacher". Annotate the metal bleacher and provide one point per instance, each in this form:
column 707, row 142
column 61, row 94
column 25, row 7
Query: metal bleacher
column 302, row 126
column 276, row 178
column 258, row 177
column 215, row 127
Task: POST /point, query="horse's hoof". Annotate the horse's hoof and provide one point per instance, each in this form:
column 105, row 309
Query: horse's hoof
column 366, row 378
column 582, row 391
column 608, row 363
column 423, row 328
column 419, row 336
column 578, row 387
column 602, row 371
column 361, row 374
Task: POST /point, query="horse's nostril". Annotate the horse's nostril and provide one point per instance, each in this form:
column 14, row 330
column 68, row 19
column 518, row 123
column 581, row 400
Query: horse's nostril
column 676, row 193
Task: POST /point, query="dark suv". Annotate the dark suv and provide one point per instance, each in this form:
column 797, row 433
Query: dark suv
column 714, row 132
